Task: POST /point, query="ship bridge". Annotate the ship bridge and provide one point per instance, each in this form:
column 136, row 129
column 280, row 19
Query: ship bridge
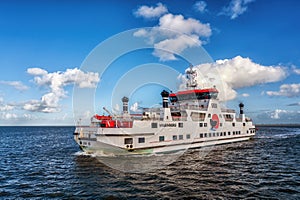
column 196, row 94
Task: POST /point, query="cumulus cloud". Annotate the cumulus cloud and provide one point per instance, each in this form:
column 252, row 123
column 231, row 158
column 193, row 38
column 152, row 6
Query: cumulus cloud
column 287, row 90
column 177, row 44
column 236, row 8
column 200, row 6
column 8, row 116
column 284, row 114
column 36, row 71
column 174, row 34
column 296, row 71
column 230, row 74
column 150, row 11
column 245, row 95
column 276, row 113
column 56, row 82
column 6, row 107
column 134, row 107
column 16, row 84
column 20, row 118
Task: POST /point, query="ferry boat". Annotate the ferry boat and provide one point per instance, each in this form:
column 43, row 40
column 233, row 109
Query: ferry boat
column 191, row 118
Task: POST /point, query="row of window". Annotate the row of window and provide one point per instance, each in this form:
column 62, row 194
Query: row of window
column 180, row 125
column 251, row 131
column 188, row 136
column 180, row 137
column 217, row 134
column 205, row 124
column 175, row 137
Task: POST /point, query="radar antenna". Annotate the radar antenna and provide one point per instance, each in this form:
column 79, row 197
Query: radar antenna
column 191, row 75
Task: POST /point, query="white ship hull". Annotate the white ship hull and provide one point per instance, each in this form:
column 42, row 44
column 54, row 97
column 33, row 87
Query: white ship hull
column 103, row 141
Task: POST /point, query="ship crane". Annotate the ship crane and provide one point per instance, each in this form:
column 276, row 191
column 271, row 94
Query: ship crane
column 106, row 110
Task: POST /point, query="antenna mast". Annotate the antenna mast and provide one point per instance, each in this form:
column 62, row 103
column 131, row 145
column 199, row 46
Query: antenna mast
column 191, row 75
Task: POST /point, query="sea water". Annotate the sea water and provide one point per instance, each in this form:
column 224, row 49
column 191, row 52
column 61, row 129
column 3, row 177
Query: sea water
column 46, row 163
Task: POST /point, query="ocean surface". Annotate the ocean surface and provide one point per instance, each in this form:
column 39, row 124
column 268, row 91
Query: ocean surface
column 45, row 163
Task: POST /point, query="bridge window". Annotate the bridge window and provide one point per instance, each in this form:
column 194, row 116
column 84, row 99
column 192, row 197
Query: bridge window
column 173, row 99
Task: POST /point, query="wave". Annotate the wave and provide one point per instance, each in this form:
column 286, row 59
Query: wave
column 277, row 135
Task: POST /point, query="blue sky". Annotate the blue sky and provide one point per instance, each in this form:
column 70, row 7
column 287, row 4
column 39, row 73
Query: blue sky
column 44, row 46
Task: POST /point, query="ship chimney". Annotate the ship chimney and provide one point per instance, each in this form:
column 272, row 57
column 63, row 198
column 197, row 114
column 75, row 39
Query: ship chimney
column 125, row 105
column 166, row 110
column 241, row 105
column 242, row 115
column 165, row 96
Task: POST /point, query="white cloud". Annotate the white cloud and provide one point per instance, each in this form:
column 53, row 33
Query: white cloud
column 236, row 8
column 276, row 114
column 177, row 44
column 56, row 82
column 41, row 106
column 288, row 90
column 27, row 116
column 8, row 116
column 284, row 114
column 297, row 71
column 21, row 118
column 243, row 72
column 36, row 71
column 134, row 107
column 16, row 84
column 230, row 74
column 6, row 107
column 245, row 95
column 151, row 12
column 188, row 26
column 174, row 34
column 200, row 6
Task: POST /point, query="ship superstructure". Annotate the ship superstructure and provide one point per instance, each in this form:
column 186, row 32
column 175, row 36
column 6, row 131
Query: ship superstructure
column 191, row 118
